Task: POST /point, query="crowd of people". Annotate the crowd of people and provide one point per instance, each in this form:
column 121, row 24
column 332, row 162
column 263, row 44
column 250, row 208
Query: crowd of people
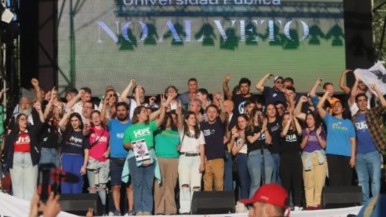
column 234, row 141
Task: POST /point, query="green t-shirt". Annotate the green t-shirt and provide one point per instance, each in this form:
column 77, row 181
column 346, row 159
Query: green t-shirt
column 166, row 143
column 141, row 131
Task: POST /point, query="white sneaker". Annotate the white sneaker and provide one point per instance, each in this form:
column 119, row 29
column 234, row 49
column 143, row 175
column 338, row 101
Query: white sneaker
column 240, row 208
column 298, row 208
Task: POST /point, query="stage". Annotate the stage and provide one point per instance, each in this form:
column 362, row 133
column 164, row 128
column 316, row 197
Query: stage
column 14, row 207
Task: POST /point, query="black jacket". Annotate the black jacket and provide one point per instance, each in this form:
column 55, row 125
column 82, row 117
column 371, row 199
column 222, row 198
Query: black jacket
column 33, row 132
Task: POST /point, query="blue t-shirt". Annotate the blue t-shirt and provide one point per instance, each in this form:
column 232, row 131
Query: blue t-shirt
column 117, row 130
column 365, row 142
column 339, row 132
column 76, row 143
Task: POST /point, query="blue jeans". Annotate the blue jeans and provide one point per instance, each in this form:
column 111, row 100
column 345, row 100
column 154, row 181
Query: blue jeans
column 255, row 163
column 244, row 178
column 276, row 169
column 49, row 155
column 228, row 172
column 72, row 163
column 368, row 168
column 142, row 181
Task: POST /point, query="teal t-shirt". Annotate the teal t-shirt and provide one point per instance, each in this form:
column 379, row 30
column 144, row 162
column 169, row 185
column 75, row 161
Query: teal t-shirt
column 166, row 143
column 141, row 131
column 339, row 132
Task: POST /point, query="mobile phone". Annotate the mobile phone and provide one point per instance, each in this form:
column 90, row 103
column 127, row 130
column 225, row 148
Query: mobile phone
column 46, row 181
column 173, row 106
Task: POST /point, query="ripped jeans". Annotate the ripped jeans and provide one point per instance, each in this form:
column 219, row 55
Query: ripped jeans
column 189, row 177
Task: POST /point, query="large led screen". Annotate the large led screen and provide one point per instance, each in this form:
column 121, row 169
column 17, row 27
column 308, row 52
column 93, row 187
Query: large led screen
column 166, row 42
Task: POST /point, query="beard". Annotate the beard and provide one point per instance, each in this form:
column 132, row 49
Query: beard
column 27, row 112
column 122, row 117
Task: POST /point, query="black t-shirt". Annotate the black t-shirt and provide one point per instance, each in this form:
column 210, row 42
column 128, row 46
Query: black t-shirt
column 272, row 95
column 290, row 143
column 49, row 136
column 239, row 102
column 76, row 143
column 214, row 139
column 274, row 129
column 259, row 143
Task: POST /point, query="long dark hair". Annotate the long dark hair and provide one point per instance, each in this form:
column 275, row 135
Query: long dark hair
column 169, row 116
column 69, row 130
column 316, row 120
column 186, row 127
column 266, row 108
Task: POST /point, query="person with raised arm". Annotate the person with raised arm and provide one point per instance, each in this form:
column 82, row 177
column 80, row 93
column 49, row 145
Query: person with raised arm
column 141, row 160
column 242, row 97
column 75, row 151
column 341, row 143
column 370, row 141
column 22, row 153
column 290, row 161
column 118, row 153
column 358, row 88
column 330, row 99
column 191, row 164
column 272, row 94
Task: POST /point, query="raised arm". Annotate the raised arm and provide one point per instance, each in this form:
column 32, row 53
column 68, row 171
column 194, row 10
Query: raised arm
column 126, row 91
column 225, row 86
column 298, row 109
column 354, row 91
column 62, row 123
column 104, row 119
column 322, row 112
column 342, row 82
column 297, row 126
column 284, row 131
column 162, row 109
column 318, row 82
column 382, row 100
column 219, row 101
column 75, row 99
column 260, row 84
column 180, row 119
column 36, row 86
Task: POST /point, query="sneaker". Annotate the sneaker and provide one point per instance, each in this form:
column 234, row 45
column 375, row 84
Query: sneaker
column 298, row 208
column 117, row 212
column 139, row 213
column 240, row 208
column 129, row 213
column 146, row 213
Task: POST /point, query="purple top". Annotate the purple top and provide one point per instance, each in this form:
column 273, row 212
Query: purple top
column 312, row 143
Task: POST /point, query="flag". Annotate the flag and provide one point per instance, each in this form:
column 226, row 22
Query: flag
column 374, row 75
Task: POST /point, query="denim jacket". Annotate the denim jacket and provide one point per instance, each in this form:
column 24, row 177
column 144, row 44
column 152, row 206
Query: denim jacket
column 153, row 159
column 307, row 158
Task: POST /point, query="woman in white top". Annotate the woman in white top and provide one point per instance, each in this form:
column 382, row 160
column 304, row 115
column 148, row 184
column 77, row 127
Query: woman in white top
column 192, row 158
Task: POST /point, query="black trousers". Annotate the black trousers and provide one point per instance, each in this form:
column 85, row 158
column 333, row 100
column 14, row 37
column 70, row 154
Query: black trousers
column 291, row 175
column 339, row 170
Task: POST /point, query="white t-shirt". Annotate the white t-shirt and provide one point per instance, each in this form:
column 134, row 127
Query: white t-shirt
column 189, row 143
column 354, row 107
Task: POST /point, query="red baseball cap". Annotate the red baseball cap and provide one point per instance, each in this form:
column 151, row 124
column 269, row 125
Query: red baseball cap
column 270, row 193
